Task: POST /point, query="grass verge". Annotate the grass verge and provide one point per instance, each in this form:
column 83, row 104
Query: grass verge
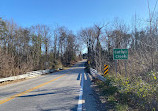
column 124, row 94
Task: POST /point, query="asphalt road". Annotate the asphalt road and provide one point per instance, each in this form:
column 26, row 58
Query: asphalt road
column 67, row 90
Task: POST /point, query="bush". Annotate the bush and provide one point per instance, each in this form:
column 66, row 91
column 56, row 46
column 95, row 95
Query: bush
column 135, row 93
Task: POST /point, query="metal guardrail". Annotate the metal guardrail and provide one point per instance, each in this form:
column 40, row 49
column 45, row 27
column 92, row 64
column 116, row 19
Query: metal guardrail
column 96, row 75
column 40, row 72
column 27, row 75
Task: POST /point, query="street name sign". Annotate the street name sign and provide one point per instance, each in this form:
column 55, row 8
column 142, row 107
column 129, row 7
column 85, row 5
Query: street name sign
column 120, row 54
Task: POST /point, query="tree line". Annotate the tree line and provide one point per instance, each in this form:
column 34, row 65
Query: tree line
column 40, row 47
column 35, row 48
column 140, row 41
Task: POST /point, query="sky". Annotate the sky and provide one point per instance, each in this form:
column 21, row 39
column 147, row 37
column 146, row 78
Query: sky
column 74, row 14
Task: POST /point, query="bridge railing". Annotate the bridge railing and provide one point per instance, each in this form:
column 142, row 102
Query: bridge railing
column 27, row 75
column 96, row 75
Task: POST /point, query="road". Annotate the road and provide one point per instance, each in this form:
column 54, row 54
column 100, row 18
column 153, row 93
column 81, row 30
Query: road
column 66, row 90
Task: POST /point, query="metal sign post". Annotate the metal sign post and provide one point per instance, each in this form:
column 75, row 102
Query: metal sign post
column 125, row 68
column 116, row 67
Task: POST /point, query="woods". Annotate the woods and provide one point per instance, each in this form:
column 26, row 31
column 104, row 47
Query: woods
column 40, row 47
column 35, row 48
column 141, row 42
column 139, row 86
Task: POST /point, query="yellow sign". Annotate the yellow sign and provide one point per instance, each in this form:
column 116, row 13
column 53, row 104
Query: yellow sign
column 88, row 62
column 105, row 70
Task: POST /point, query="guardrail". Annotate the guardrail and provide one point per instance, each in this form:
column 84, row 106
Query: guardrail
column 27, row 75
column 96, row 75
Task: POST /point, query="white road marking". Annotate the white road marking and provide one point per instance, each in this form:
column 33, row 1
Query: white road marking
column 85, row 77
column 80, row 101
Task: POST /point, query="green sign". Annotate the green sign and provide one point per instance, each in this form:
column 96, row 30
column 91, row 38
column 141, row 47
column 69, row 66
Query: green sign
column 120, row 54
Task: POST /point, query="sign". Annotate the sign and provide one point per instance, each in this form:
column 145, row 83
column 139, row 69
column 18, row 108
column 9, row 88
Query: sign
column 105, row 70
column 120, row 54
column 88, row 62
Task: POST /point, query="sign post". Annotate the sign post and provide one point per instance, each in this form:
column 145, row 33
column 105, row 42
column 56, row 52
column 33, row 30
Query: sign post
column 116, row 67
column 120, row 54
column 125, row 68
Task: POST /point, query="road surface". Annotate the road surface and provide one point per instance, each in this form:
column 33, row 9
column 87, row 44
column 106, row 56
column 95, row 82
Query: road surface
column 67, row 90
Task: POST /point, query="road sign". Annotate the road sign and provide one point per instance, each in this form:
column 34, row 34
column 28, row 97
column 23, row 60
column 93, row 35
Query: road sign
column 105, row 70
column 120, row 54
column 88, row 62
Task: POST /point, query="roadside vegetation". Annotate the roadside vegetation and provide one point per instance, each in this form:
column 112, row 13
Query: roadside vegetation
column 35, row 48
column 138, row 88
column 127, row 93
column 122, row 94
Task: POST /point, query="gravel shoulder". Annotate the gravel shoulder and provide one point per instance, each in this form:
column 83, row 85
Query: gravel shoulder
column 100, row 100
